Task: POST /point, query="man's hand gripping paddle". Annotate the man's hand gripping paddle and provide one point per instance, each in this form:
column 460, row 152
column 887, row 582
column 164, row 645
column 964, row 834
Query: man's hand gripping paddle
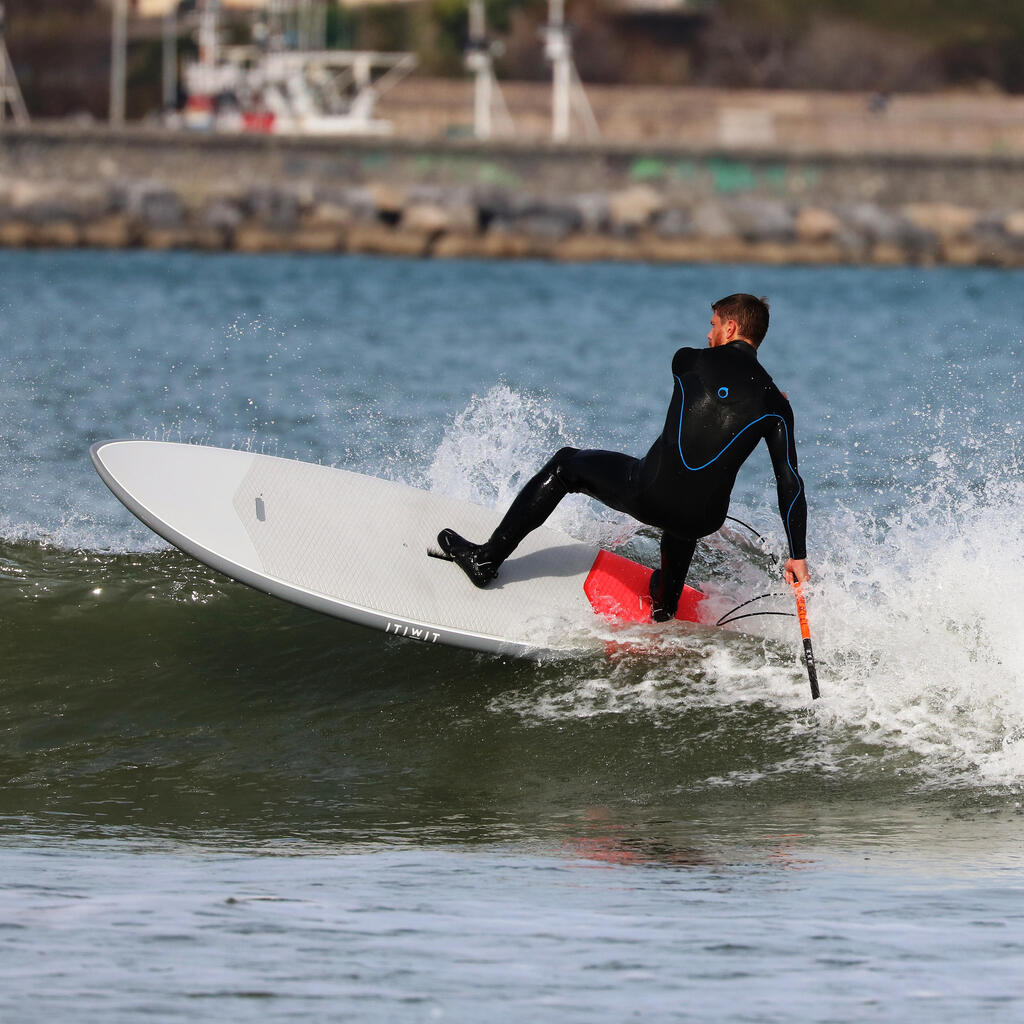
column 805, row 632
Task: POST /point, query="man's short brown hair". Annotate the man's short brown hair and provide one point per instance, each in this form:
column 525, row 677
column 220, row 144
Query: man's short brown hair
column 749, row 312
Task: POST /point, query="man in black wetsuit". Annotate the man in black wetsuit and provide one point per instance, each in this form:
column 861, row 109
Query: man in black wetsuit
column 723, row 403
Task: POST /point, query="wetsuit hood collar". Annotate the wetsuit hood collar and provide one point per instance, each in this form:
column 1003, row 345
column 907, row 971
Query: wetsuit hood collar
column 742, row 346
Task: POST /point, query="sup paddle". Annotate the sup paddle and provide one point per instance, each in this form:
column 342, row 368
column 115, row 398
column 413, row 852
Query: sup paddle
column 805, row 632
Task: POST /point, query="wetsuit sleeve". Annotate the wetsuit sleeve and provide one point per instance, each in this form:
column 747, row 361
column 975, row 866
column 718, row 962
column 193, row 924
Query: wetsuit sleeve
column 792, row 501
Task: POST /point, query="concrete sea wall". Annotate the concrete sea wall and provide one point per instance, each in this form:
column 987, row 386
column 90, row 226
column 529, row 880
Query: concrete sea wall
column 63, row 186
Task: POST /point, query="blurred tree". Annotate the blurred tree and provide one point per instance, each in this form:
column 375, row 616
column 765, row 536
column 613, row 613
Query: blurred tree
column 857, row 44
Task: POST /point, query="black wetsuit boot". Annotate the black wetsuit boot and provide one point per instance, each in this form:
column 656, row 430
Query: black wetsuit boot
column 471, row 558
column 531, row 508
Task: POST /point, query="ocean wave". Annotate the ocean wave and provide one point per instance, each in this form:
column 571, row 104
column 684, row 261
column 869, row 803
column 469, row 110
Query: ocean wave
column 914, row 615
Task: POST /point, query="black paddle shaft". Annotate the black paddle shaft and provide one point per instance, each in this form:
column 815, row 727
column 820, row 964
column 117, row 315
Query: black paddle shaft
column 812, row 672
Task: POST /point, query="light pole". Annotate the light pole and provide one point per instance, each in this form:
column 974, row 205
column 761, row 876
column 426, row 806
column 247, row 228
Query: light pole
column 561, row 61
column 10, row 94
column 488, row 103
column 567, row 89
column 209, row 9
column 3, row 68
column 118, row 61
column 170, row 58
column 478, row 60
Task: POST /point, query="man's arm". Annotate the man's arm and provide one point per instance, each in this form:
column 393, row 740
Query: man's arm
column 792, row 500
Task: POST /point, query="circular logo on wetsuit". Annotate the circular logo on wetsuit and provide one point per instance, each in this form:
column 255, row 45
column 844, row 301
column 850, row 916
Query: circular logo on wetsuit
column 723, row 392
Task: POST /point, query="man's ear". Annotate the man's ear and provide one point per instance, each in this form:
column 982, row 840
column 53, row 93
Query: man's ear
column 732, row 329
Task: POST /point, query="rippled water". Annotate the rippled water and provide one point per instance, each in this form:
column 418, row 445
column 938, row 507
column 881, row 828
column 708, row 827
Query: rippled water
column 219, row 806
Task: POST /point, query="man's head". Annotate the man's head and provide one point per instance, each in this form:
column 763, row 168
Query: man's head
column 738, row 317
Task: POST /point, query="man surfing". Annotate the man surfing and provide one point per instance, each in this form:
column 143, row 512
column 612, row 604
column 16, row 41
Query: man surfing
column 723, row 404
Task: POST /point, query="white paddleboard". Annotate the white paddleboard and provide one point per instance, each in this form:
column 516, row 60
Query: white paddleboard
column 355, row 547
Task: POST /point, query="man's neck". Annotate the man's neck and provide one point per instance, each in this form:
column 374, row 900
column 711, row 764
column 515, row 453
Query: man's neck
column 746, row 343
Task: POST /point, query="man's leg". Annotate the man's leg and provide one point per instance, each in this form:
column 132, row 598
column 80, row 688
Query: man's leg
column 667, row 582
column 607, row 476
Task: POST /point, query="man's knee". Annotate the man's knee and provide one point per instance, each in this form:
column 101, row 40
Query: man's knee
column 564, row 455
column 561, row 466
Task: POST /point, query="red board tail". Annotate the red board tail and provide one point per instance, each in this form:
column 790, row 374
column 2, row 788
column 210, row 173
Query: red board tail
column 620, row 589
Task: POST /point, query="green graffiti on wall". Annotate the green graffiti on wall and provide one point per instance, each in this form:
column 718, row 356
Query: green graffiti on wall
column 811, row 176
column 375, row 161
column 647, row 169
column 495, row 174
column 732, row 176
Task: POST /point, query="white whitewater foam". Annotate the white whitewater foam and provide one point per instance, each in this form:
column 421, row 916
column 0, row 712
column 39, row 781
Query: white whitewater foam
column 920, row 620
column 917, row 618
column 497, row 443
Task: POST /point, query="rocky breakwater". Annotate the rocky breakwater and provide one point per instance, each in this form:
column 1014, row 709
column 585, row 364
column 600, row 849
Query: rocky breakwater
column 638, row 222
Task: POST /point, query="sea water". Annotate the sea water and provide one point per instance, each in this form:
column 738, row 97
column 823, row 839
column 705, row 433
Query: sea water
column 216, row 806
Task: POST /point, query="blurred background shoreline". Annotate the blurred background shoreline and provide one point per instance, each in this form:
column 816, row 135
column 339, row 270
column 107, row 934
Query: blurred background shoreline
column 688, row 131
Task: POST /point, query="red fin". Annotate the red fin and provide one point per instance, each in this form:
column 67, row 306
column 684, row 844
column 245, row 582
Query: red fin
column 620, row 589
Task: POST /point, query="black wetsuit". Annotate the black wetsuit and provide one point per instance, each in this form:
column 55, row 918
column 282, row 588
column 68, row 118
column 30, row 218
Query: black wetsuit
column 723, row 404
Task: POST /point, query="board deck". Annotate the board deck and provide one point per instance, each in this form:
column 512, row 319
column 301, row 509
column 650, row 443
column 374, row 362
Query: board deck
column 355, row 547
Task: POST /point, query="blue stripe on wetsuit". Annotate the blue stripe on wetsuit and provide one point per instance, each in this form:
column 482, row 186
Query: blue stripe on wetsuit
column 766, row 416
